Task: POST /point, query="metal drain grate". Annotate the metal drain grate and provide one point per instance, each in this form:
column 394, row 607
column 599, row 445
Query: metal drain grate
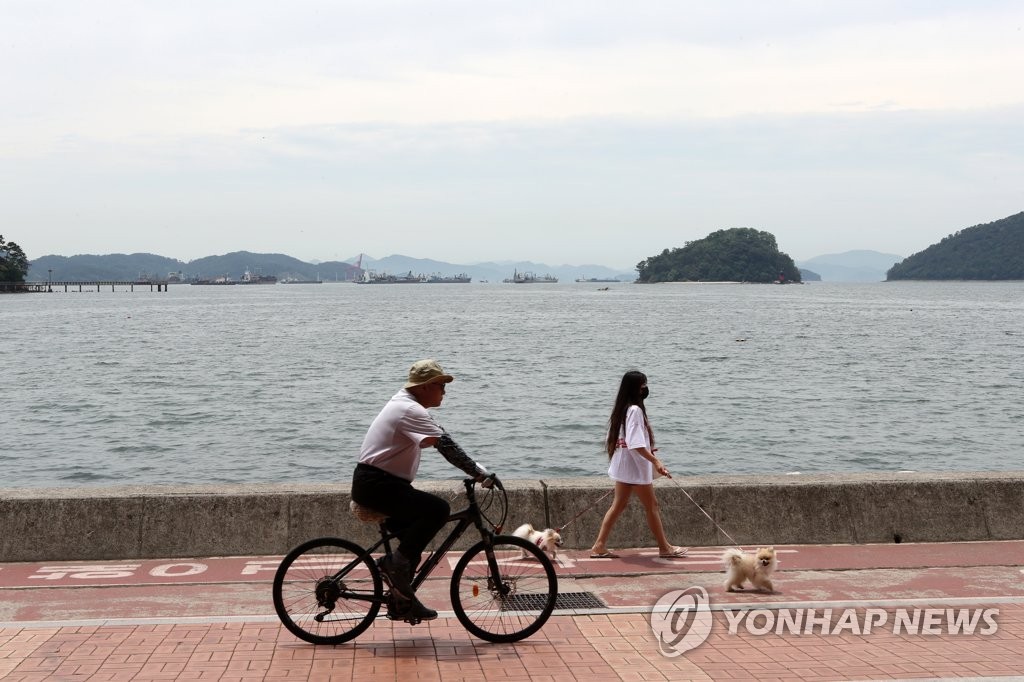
column 564, row 601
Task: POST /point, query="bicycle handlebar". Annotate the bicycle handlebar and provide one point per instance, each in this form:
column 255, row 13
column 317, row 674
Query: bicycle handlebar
column 488, row 481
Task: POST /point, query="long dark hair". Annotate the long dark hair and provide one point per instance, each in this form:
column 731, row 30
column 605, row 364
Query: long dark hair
column 629, row 394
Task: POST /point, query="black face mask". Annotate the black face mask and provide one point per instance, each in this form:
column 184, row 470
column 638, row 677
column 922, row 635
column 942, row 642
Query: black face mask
column 644, row 392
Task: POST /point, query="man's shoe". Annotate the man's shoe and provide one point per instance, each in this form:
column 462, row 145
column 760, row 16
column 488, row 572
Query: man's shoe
column 412, row 612
column 398, row 574
column 417, row 612
column 398, row 607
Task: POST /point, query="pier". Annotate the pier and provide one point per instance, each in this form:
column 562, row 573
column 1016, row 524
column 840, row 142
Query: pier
column 50, row 287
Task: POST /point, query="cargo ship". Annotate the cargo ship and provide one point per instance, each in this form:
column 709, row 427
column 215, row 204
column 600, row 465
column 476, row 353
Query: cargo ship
column 530, row 278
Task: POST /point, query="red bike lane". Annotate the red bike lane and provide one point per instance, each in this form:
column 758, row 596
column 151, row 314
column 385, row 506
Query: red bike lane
column 240, row 586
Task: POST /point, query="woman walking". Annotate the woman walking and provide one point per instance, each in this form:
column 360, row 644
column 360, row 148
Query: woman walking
column 630, row 447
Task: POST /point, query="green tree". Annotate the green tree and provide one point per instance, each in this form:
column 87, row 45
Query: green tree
column 13, row 262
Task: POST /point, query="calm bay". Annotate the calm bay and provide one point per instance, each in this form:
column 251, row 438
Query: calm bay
column 264, row 384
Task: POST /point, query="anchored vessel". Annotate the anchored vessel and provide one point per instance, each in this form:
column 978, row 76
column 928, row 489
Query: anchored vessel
column 530, row 278
column 383, row 278
column 222, row 281
column 461, row 278
column 255, row 278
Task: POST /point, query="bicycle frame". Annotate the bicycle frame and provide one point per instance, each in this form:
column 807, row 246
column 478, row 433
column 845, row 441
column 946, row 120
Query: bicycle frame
column 470, row 516
column 487, row 580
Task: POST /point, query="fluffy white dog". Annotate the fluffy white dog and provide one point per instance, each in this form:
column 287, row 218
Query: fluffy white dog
column 549, row 540
column 757, row 568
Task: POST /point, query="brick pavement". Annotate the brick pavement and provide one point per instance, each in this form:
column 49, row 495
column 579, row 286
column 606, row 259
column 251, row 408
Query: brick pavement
column 616, row 644
column 591, row 647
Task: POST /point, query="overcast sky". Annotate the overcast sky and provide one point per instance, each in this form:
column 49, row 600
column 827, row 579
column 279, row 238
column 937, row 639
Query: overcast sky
column 579, row 132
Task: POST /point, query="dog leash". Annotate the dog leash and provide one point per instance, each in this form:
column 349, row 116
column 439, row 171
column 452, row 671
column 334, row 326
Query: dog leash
column 735, row 544
column 585, row 510
column 680, row 486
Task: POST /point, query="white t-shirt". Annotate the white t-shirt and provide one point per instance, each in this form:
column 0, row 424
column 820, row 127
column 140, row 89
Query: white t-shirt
column 392, row 442
column 628, row 465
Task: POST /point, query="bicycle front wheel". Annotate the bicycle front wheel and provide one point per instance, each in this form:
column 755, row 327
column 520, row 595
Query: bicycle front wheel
column 504, row 592
column 327, row 591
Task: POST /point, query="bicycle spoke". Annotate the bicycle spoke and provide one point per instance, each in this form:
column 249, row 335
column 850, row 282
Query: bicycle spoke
column 510, row 605
column 327, row 591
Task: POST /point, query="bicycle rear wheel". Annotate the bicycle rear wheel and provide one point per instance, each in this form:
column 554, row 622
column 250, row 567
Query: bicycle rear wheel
column 500, row 596
column 327, row 591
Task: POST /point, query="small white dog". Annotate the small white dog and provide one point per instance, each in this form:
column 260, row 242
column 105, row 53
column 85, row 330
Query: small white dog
column 548, row 540
column 757, row 568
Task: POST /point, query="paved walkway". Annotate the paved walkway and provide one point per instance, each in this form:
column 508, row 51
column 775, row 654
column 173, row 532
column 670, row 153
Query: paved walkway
column 951, row 610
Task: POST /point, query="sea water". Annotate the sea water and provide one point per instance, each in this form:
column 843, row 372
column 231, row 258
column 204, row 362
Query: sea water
column 279, row 383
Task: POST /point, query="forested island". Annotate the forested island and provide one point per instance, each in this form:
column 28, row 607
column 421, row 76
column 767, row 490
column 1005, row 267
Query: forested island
column 984, row 252
column 739, row 254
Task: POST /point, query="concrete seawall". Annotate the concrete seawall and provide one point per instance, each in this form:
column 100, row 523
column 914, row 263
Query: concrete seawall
column 197, row 521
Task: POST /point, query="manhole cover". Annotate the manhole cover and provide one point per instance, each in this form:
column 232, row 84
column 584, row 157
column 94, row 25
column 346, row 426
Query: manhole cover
column 564, row 601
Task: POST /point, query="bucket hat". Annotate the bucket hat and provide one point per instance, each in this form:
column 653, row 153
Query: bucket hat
column 427, row 372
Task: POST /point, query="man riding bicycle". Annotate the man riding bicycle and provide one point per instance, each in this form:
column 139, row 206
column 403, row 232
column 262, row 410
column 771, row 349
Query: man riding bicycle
column 388, row 462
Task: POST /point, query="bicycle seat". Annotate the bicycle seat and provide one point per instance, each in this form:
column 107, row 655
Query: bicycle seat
column 365, row 514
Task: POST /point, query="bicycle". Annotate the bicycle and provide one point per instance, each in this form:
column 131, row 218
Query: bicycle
column 330, row 590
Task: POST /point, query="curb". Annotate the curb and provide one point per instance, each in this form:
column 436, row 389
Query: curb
column 71, row 524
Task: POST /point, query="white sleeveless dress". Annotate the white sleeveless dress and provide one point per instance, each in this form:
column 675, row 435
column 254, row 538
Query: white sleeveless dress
column 627, row 465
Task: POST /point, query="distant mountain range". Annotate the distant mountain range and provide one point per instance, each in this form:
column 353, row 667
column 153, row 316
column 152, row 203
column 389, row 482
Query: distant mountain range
column 494, row 271
column 851, row 266
column 989, row 251
column 134, row 266
column 119, row 266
